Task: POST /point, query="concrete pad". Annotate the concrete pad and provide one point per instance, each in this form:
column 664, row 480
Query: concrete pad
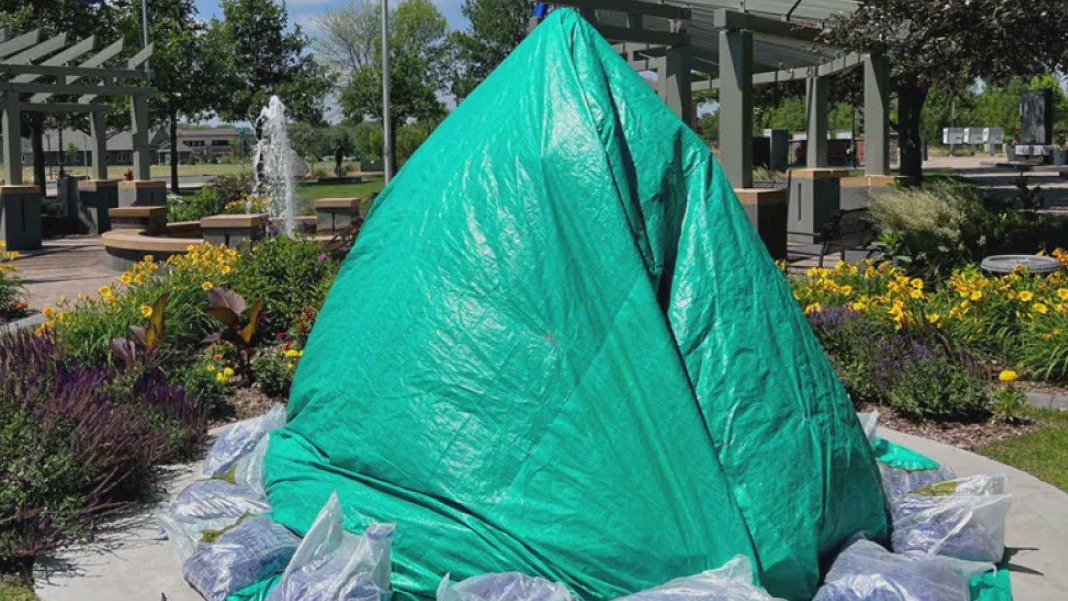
column 128, row 562
column 1036, row 536
column 66, row 267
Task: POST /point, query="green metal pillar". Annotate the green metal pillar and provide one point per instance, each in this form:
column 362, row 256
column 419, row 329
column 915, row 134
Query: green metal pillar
column 736, row 106
column 11, row 121
column 678, row 82
column 876, row 115
column 816, row 94
column 141, row 156
column 98, row 131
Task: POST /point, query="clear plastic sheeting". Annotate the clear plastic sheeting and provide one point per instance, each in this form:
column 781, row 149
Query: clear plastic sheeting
column 867, row 572
column 335, row 565
column 898, row 481
column 254, row 549
column 732, row 582
column 962, row 518
column 208, row 507
column 869, row 422
column 506, row 586
column 239, row 440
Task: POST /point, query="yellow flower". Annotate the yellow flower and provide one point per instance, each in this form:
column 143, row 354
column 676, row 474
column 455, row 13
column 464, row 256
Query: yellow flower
column 146, row 311
column 976, row 295
column 127, row 278
column 49, row 312
column 291, row 365
column 104, row 291
column 225, row 269
column 293, row 353
column 934, row 318
column 228, row 372
column 210, row 368
column 221, row 378
column 1062, row 293
column 1026, row 296
column 916, row 293
column 917, row 283
column 1007, row 375
column 809, row 310
column 207, row 285
column 1040, row 308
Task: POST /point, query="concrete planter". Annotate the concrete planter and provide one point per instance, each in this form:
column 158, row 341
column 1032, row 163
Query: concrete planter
column 336, row 214
column 233, row 230
column 20, row 217
column 1060, row 156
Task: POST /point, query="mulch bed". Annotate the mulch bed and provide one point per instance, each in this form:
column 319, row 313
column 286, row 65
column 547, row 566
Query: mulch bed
column 965, row 435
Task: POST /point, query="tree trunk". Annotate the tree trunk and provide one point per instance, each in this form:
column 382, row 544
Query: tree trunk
column 174, row 152
column 910, row 100
column 37, row 140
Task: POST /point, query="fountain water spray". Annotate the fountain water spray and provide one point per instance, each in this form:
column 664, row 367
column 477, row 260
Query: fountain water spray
column 273, row 161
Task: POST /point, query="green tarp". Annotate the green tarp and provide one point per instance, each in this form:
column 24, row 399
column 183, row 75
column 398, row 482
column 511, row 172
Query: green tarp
column 559, row 347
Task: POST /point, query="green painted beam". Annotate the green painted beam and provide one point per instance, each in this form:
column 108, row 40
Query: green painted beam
column 101, row 90
column 664, row 11
column 57, row 60
column 73, row 73
column 35, row 52
column 94, row 62
column 20, row 43
column 64, row 107
column 734, row 20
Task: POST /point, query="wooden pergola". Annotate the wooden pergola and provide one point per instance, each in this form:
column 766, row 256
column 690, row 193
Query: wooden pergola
column 46, row 76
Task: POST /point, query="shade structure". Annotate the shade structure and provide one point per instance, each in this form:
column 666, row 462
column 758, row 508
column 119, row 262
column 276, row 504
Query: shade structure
column 559, row 347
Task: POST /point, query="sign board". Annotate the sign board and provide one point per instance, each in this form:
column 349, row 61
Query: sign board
column 993, row 135
column 973, row 135
column 953, row 135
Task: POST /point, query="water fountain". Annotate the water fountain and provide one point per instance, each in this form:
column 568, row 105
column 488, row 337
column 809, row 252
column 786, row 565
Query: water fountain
column 274, row 160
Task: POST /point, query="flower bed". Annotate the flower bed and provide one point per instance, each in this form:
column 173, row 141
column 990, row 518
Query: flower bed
column 113, row 385
column 933, row 352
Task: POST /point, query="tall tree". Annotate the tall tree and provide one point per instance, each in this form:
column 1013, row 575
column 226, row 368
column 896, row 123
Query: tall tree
column 350, row 36
column 266, row 57
column 931, row 42
column 417, row 65
column 187, row 66
column 497, row 27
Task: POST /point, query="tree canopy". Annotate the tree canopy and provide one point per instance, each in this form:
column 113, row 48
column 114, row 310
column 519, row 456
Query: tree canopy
column 954, row 42
column 266, row 56
column 497, row 27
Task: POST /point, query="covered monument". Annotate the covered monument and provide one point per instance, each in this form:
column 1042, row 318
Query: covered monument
column 560, row 348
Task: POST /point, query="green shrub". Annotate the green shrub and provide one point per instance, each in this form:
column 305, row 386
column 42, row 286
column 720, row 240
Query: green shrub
column 274, row 371
column 939, row 388
column 288, row 275
column 209, row 200
column 1044, row 346
column 78, row 441
column 88, row 326
column 11, row 304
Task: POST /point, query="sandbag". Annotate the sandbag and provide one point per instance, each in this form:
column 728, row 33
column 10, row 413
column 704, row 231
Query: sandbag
column 963, row 518
column 239, row 440
column 867, row 572
column 335, row 565
column 560, row 347
column 507, row 586
column 254, row 549
column 899, row 481
column 732, row 582
column 208, row 507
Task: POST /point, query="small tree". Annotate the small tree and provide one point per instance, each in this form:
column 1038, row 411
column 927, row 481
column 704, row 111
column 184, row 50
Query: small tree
column 497, row 27
column 952, row 41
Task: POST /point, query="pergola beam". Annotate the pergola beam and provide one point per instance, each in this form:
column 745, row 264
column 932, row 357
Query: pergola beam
column 72, row 73
column 725, row 18
column 55, row 88
column 33, row 73
column 630, row 7
column 44, row 48
column 63, row 107
column 90, row 68
column 20, row 43
column 830, row 68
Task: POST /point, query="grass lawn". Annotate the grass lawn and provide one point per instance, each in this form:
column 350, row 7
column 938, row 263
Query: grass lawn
column 1043, row 453
column 16, row 592
column 372, row 184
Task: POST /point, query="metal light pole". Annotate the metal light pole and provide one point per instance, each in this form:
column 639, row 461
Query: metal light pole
column 387, row 119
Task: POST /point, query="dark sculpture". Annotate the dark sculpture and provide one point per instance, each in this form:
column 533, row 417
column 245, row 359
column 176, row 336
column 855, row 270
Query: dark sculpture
column 339, row 154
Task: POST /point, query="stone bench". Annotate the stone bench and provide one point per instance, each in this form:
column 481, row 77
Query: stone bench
column 125, row 247
column 336, row 214
column 150, row 220
column 233, row 230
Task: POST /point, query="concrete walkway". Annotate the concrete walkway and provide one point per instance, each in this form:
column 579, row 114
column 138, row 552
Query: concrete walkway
column 64, row 267
column 130, row 563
